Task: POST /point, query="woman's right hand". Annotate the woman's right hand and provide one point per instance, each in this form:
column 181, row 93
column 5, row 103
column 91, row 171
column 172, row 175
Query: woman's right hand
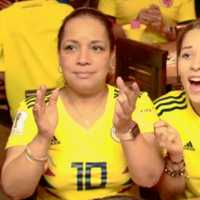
column 168, row 138
column 46, row 115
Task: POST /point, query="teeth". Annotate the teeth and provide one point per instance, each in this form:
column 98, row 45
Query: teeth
column 195, row 79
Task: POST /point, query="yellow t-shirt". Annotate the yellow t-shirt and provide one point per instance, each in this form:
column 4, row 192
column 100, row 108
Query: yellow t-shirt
column 28, row 46
column 86, row 163
column 175, row 109
column 127, row 10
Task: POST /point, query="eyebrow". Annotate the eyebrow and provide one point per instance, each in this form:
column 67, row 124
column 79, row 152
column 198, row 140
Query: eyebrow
column 93, row 42
column 187, row 47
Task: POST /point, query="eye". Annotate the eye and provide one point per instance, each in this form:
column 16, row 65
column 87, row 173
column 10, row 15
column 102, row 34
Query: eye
column 186, row 55
column 70, row 47
column 97, row 48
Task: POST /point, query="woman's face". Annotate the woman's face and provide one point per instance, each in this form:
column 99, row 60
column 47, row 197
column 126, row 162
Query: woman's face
column 189, row 64
column 85, row 55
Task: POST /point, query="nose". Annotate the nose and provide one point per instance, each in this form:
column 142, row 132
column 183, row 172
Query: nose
column 83, row 57
column 196, row 64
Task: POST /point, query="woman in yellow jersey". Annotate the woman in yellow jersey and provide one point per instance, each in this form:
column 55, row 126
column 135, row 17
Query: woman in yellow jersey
column 181, row 109
column 151, row 21
column 85, row 143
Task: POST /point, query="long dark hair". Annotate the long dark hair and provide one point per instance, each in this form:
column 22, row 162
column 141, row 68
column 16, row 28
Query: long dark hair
column 181, row 36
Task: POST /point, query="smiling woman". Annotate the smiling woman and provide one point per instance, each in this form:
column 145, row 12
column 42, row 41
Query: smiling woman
column 184, row 104
column 68, row 141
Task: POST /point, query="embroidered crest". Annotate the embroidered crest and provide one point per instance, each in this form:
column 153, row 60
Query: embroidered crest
column 167, row 3
column 18, row 124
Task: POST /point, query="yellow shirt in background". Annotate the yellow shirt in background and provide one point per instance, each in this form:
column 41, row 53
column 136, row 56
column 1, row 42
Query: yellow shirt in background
column 127, row 10
column 28, row 46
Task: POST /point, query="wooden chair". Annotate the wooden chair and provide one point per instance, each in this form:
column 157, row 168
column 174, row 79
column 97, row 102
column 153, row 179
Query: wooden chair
column 144, row 63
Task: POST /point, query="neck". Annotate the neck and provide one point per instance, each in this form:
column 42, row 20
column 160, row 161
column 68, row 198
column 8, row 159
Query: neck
column 196, row 107
column 82, row 98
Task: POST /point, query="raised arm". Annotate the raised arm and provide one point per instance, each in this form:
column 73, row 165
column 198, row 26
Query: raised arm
column 24, row 165
column 144, row 162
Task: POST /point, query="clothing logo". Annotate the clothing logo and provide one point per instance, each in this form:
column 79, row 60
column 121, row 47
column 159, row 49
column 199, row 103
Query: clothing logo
column 18, row 124
column 189, row 146
column 146, row 110
column 167, row 3
column 54, row 141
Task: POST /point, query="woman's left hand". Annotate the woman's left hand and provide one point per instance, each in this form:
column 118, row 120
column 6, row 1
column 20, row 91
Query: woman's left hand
column 125, row 105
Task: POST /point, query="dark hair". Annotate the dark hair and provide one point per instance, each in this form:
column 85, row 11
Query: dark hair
column 181, row 36
column 86, row 11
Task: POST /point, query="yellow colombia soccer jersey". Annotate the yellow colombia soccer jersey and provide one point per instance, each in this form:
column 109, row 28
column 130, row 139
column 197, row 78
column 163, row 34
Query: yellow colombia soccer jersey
column 28, row 46
column 86, row 163
column 127, row 10
column 175, row 108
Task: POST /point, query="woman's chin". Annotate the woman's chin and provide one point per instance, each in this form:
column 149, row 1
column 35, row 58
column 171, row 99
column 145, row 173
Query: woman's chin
column 194, row 94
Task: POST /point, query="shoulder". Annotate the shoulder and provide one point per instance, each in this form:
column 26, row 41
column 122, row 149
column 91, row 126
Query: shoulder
column 170, row 102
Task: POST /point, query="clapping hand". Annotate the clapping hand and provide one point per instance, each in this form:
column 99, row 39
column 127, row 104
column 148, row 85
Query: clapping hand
column 168, row 138
column 125, row 105
column 46, row 116
column 152, row 18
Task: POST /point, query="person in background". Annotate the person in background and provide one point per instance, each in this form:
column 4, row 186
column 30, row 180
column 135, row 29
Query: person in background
column 5, row 4
column 86, row 142
column 28, row 53
column 149, row 21
column 181, row 110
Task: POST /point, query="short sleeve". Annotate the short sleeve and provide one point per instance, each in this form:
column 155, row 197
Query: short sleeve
column 145, row 114
column 107, row 7
column 187, row 11
column 24, row 128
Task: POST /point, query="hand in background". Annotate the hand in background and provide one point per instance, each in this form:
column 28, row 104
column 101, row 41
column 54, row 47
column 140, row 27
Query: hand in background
column 4, row 4
column 125, row 105
column 152, row 18
column 46, row 115
column 168, row 138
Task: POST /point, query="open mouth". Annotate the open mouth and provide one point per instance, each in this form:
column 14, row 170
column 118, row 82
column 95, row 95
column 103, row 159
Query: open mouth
column 195, row 84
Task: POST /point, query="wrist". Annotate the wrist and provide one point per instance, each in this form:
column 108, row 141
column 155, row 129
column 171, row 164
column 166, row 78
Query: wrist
column 174, row 168
column 128, row 134
column 43, row 139
column 168, row 31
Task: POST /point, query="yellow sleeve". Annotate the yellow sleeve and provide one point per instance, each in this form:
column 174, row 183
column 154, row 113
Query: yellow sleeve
column 145, row 114
column 108, row 7
column 187, row 11
column 24, row 128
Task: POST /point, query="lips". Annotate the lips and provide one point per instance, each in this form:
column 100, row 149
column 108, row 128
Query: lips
column 83, row 75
